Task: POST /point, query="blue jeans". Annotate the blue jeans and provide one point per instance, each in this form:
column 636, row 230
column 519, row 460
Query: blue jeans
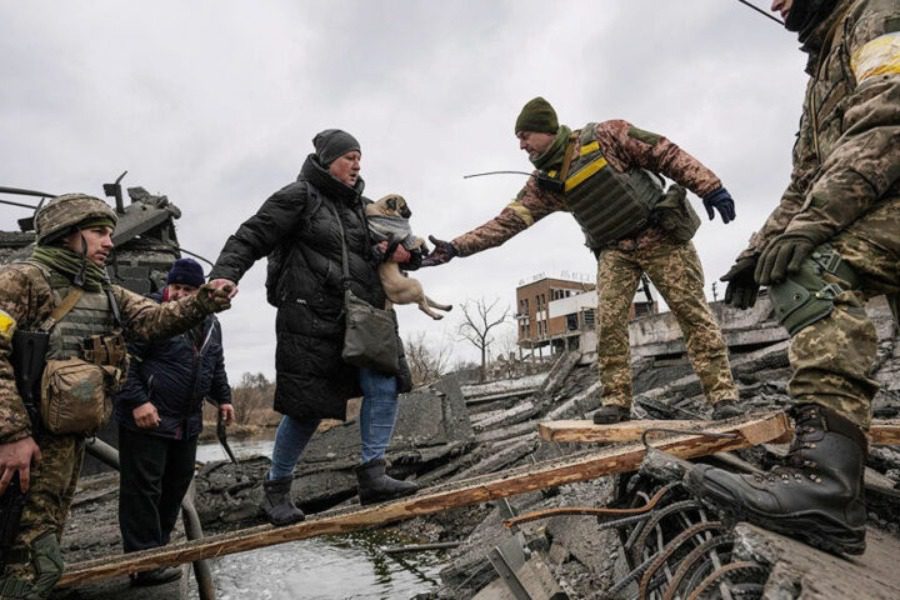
column 376, row 424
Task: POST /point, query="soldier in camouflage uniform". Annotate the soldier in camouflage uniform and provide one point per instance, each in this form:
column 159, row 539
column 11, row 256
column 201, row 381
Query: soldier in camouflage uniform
column 832, row 243
column 579, row 172
column 73, row 243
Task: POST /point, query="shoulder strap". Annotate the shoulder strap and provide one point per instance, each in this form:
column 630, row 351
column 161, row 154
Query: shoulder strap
column 62, row 309
column 345, row 266
column 567, row 157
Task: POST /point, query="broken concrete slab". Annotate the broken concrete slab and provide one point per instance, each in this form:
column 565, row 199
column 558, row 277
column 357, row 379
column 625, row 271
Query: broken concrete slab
column 804, row 573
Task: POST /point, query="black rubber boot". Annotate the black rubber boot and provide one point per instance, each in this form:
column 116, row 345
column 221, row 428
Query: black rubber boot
column 726, row 409
column 278, row 505
column 816, row 496
column 611, row 413
column 376, row 486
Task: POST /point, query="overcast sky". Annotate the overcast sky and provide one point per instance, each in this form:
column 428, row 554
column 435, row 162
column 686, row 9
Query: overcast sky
column 214, row 104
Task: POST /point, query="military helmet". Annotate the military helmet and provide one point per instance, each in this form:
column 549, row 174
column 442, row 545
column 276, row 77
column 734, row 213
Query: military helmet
column 62, row 213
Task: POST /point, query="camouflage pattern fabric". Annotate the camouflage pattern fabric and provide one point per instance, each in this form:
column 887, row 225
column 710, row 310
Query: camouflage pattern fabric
column 52, row 488
column 624, row 147
column 845, row 190
column 676, row 272
column 833, row 358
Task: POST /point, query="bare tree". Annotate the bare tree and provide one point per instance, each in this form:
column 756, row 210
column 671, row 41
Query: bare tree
column 479, row 318
column 251, row 397
column 426, row 364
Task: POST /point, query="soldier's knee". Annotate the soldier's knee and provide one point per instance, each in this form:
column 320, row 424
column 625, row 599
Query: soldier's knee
column 807, row 296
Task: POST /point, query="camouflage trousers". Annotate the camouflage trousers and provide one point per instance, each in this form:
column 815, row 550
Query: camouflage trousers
column 833, row 358
column 675, row 270
column 52, row 487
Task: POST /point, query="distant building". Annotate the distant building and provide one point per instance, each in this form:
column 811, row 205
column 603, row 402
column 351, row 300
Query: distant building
column 555, row 315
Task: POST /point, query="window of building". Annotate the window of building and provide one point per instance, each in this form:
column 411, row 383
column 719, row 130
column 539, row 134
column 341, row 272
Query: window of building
column 572, row 322
column 588, row 317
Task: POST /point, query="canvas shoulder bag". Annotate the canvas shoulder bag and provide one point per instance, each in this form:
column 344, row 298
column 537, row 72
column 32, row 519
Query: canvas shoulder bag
column 370, row 338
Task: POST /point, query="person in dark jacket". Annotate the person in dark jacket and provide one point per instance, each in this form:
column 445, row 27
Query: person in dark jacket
column 299, row 229
column 159, row 411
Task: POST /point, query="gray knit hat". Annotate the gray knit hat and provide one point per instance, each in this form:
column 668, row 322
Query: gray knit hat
column 334, row 143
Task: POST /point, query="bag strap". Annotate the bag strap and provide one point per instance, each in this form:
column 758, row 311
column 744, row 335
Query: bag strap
column 345, row 262
column 62, row 309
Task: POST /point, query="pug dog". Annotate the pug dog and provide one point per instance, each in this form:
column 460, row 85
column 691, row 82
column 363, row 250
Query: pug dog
column 388, row 219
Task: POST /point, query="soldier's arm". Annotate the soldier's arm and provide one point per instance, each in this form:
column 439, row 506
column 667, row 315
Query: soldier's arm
column 261, row 233
column 626, row 146
column 530, row 206
column 20, row 300
column 865, row 162
column 150, row 320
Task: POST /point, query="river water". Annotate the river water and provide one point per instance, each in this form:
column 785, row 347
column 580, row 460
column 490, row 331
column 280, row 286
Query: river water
column 323, row 568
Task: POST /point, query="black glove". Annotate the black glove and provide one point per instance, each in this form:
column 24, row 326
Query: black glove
column 722, row 201
column 742, row 287
column 443, row 252
column 384, row 251
column 783, row 255
column 414, row 262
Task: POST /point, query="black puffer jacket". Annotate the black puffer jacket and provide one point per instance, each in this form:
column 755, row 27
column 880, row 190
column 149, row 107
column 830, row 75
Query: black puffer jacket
column 297, row 229
column 175, row 374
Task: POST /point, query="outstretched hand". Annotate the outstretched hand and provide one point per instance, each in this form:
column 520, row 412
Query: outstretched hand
column 443, row 252
column 742, row 288
column 721, row 201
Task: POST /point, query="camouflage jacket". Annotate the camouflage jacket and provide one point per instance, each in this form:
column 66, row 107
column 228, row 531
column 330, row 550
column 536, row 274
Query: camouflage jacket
column 26, row 301
column 624, row 147
column 846, row 160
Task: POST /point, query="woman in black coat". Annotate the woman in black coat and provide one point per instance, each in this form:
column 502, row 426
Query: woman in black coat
column 299, row 229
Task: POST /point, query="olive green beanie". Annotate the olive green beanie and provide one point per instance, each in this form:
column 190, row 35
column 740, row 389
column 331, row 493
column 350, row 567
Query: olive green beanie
column 537, row 115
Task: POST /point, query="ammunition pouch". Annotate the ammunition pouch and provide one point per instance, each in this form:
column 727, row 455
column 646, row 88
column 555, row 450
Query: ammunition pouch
column 105, row 350
column 76, row 395
column 675, row 215
column 808, row 296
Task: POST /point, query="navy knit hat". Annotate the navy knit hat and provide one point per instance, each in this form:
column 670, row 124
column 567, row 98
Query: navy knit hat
column 332, row 144
column 186, row 271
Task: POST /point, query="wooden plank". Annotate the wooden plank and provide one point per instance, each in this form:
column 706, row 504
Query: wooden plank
column 548, row 474
column 881, row 432
column 885, row 432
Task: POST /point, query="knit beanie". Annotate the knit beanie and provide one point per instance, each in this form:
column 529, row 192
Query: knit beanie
column 334, row 143
column 537, row 115
column 186, row 271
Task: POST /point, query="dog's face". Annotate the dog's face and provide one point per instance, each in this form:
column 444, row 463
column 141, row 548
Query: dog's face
column 392, row 205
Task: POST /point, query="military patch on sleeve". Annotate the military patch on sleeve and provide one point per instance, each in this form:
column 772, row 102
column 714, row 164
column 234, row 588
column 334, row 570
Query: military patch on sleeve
column 877, row 57
column 7, row 325
column 645, row 136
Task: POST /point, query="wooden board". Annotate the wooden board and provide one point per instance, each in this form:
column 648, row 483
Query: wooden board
column 881, row 433
column 756, row 430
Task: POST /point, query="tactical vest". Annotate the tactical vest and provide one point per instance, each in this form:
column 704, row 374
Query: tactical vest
column 607, row 204
column 92, row 315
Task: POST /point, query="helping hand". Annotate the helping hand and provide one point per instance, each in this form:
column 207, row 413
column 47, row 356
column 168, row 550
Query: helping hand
column 392, row 251
column 214, row 299
column 443, row 252
column 782, row 256
column 722, row 201
column 742, row 288
column 225, row 283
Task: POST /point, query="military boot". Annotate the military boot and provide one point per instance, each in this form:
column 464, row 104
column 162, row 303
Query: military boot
column 815, row 496
column 376, row 486
column 611, row 413
column 278, row 505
